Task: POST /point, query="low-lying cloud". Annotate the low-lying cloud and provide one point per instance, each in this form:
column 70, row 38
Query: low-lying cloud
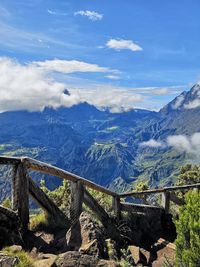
column 31, row 87
column 117, row 99
column 182, row 143
column 27, row 87
column 152, row 143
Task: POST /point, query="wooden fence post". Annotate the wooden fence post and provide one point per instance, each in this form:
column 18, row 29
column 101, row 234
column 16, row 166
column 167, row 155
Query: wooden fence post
column 117, row 207
column 20, row 195
column 166, row 201
column 77, row 194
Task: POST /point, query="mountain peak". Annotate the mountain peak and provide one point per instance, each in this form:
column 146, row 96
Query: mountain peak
column 186, row 100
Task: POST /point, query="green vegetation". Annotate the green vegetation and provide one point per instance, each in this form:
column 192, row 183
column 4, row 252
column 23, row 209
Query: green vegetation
column 37, row 221
column 188, row 231
column 24, row 258
column 125, row 258
column 7, row 203
column 61, row 195
column 189, row 174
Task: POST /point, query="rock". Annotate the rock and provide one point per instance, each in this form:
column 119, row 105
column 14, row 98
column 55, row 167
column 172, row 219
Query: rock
column 9, row 226
column 76, row 259
column 15, row 248
column 45, row 260
column 8, row 261
column 135, row 254
column 86, row 236
column 145, row 256
column 164, row 251
column 105, row 263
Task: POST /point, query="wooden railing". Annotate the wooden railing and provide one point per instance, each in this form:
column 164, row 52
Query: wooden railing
column 23, row 186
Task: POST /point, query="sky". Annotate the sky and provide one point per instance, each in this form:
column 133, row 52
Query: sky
column 120, row 54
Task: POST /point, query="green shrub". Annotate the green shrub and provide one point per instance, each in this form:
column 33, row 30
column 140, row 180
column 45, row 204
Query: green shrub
column 188, row 232
column 24, row 258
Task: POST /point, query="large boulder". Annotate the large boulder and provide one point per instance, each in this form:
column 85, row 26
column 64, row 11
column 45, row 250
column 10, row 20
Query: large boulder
column 76, row 259
column 9, row 228
column 86, row 236
column 8, row 261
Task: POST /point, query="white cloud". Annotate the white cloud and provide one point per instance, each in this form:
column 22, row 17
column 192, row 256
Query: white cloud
column 106, row 96
column 27, row 87
column 182, row 143
column 31, row 87
column 120, row 44
column 189, row 144
column 193, row 104
column 113, row 77
column 51, row 12
column 92, row 15
column 70, row 66
column 160, row 91
column 152, row 143
column 179, row 101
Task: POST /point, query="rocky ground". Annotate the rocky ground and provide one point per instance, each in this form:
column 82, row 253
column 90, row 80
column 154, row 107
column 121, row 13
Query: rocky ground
column 87, row 244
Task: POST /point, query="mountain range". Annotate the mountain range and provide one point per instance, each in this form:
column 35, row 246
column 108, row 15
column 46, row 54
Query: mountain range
column 115, row 150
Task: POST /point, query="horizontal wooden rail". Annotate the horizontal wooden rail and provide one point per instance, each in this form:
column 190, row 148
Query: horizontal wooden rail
column 37, row 165
column 23, row 185
column 160, row 190
column 139, row 207
column 9, row 160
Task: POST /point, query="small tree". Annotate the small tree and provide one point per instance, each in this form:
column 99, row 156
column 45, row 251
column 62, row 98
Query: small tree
column 188, row 232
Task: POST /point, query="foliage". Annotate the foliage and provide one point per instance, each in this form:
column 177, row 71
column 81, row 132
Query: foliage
column 188, row 231
column 36, row 220
column 125, row 259
column 24, row 258
column 61, row 195
column 189, row 174
column 141, row 186
column 103, row 199
column 7, row 203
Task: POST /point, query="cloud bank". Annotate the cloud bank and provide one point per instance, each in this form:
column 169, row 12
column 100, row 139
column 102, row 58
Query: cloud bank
column 27, row 87
column 121, row 44
column 92, row 15
column 31, row 87
column 182, row 143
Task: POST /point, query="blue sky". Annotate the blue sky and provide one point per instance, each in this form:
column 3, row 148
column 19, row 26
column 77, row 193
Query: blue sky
column 141, row 44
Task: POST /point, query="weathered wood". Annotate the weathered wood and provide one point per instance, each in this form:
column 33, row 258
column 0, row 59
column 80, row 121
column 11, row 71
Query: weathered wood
column 77, row 194
column 175, row 199
column 36, row 165
column 9, row 213
column 22, row 196
column 166, row 201
column 14, row 188
column 160, row 190
column 128, row 207
column 96, row 207
column 46, row 203
column 9, row 160
column 117, row 207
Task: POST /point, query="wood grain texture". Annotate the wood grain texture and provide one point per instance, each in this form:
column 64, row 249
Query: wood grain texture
column 96, row 207
column 46, row 203
column 36, row 165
